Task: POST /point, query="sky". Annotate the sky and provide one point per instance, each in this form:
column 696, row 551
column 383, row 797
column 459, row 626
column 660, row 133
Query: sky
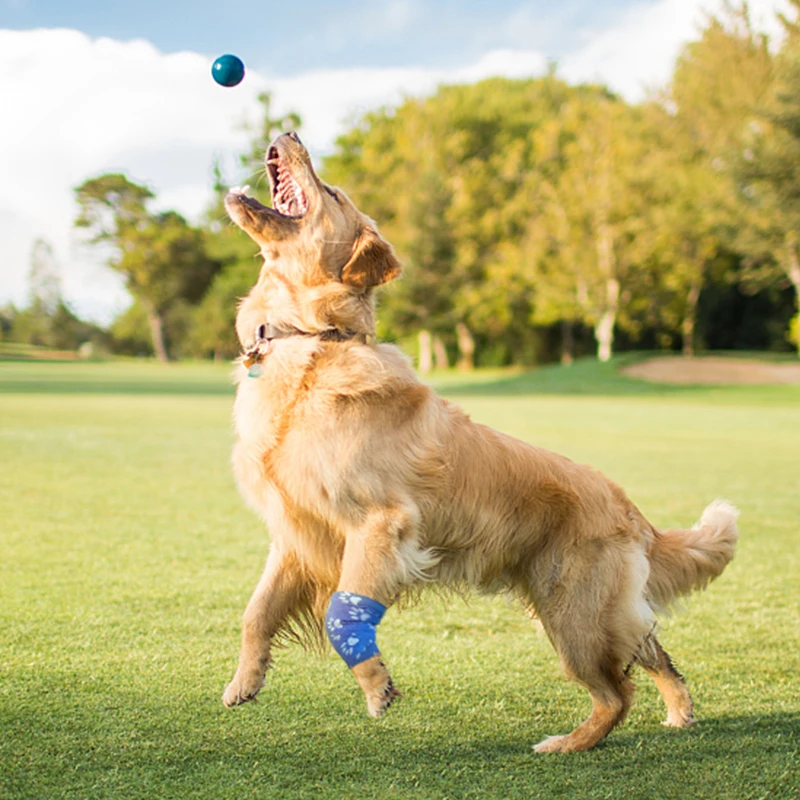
column 91, row 86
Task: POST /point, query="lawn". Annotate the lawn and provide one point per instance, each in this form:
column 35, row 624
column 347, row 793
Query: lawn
column 127, row 558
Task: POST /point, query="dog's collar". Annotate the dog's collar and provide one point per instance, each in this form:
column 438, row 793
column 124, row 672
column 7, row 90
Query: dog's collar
column 266, row 333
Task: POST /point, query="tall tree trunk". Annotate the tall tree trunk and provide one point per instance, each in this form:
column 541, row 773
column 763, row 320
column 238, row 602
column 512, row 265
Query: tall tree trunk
column 690, row 319
column 567, row 342
column 440, row 358
column 607, row 262
column 425, row 357
column 604, row 333
column 157, row 334
column 793, row 271
column 604, row 329
column 466, row 347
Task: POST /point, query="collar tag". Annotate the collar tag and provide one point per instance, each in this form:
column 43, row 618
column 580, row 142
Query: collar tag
column 254, row 357
column 256, row 369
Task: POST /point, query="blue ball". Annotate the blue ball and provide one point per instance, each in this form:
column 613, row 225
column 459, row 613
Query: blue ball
column 228, row 70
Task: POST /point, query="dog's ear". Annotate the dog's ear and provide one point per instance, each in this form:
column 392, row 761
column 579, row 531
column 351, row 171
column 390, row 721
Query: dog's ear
column 373, row 262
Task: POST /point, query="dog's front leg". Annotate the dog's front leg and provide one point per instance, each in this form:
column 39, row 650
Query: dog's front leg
column 372, row 573
column 279, row 594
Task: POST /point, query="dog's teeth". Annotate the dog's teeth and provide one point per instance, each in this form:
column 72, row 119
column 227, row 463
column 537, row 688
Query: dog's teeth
column 245, row 189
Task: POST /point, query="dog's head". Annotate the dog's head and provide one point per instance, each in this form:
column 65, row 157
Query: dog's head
column 313, row 234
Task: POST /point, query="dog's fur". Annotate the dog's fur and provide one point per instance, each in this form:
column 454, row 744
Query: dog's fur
column 370, row 483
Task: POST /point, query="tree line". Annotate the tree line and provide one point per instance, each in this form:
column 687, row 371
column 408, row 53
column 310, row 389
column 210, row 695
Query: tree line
column 535, row 219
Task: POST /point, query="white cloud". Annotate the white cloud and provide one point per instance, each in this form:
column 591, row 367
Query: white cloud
column 81, row 107
column 636, row 52
column 75, row 107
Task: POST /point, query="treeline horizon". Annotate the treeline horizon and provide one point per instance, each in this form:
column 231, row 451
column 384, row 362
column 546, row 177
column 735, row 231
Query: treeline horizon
column 536, row 220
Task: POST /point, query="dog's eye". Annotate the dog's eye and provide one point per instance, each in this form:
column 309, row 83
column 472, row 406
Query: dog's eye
column 332, row 194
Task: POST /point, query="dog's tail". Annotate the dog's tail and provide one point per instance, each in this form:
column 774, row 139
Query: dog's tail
column 684, row 560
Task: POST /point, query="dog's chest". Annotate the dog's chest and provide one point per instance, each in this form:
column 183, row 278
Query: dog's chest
column 257, row 414
column 280, row 452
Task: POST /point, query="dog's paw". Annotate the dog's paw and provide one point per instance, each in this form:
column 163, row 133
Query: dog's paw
column 241, row 691
column 376, row 683
column 379, row 701
column 552, row 744
column 679, row 719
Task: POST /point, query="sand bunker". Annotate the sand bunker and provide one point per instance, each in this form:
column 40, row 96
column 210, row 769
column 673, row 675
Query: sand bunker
column 713, row 371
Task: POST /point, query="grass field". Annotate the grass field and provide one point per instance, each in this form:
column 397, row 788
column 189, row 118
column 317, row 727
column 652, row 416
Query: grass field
column 126, row 559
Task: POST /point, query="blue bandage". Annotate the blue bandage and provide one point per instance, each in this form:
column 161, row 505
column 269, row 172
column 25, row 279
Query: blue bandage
column 350, row 623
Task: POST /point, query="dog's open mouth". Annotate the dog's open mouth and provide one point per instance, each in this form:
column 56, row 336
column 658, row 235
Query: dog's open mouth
column 288, row 198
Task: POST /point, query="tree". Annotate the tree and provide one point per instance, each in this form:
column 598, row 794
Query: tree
column 34, row 324
column 7, row 315
column 447, row 178
column 388, row 164
column 587, row 246
column 44, row 278
column 162, row 257
column 718, row 83
column 769, row 172
column 47, row 321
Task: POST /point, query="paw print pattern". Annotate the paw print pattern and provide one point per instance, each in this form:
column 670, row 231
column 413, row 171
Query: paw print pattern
column 351, row 624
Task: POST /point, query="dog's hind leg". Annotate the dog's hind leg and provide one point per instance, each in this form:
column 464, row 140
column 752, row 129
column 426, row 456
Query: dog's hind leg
column 597, row 619
column 281, row 594
column 611, row 691
column 680, row 709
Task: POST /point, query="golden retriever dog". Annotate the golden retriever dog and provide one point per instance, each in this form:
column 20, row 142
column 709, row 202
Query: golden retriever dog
column 372, row 486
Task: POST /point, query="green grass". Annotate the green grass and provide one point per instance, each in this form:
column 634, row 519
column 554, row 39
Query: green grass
column 126, row 559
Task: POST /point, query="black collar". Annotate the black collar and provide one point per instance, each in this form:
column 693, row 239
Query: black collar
column 266, row 333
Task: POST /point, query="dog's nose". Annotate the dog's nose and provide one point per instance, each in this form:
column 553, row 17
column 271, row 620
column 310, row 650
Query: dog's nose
column 294, row 137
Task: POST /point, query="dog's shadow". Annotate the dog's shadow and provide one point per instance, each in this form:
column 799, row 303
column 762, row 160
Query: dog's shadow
column 321, row 745
column 757, row 753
